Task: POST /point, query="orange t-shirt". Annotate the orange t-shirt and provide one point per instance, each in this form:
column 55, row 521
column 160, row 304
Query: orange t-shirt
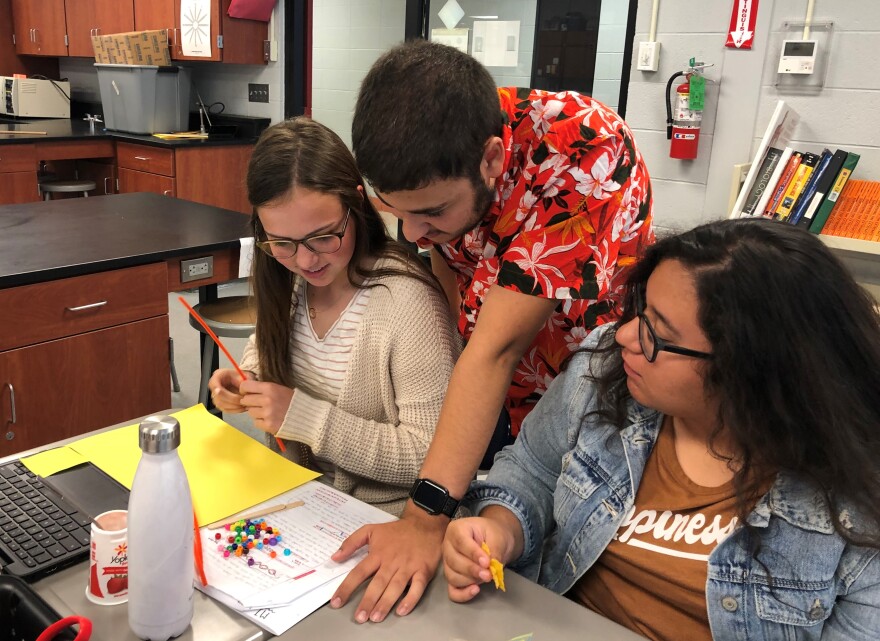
column 652, row 577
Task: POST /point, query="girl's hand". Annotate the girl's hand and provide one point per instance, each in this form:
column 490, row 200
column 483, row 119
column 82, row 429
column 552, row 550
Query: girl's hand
column 267, row 403
column 224, row 384
column 465, row 564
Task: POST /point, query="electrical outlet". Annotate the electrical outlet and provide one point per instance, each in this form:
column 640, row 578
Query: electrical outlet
column 258, row 93
column 196, row 269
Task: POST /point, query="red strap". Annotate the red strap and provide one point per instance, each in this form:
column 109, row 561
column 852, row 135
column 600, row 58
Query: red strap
column 85, row 628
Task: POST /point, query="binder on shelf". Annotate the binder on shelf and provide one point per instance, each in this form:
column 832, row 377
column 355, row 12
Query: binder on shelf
column 800, row 205
column 824, row 211
column 823, row 185
column 776, row 136
column 784, row 181
column 796, row 186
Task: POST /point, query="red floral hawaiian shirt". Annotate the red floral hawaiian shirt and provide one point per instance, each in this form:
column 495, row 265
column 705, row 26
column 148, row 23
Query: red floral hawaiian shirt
column 572, row 211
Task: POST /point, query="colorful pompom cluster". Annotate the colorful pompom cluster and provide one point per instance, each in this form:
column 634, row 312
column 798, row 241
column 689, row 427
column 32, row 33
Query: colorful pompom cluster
column 244, row 536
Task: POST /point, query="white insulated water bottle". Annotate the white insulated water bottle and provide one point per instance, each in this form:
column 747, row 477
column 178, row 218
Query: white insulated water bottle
column 160, row 536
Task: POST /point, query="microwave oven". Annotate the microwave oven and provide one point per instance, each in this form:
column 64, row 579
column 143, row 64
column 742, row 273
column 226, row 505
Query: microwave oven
column 34, row 98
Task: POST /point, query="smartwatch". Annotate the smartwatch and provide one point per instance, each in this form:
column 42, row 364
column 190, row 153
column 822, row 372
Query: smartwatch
column 433, row 498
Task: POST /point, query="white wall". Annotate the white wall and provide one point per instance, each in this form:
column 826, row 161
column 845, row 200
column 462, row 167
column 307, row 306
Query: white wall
column 347, row 38
column 741, row 99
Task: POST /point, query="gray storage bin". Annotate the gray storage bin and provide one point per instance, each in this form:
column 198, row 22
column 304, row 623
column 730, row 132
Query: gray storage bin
column 144, row 99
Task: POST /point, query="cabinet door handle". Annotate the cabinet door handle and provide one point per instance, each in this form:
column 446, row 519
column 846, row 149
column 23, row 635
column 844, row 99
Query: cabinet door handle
column 141, row 157
column 89, row 306
column 33, row 37
column 167, row 192
column 12, row 403
column 107, row 189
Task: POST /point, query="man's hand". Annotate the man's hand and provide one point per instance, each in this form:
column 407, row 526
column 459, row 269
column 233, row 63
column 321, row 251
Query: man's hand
column 403, row 553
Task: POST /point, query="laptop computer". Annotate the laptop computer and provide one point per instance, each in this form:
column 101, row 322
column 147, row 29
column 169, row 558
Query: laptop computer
column 45, row 522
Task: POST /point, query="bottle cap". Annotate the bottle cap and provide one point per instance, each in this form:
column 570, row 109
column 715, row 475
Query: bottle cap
column 159, row 434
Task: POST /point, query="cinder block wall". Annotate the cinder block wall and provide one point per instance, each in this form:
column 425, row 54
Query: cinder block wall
column 742, row 97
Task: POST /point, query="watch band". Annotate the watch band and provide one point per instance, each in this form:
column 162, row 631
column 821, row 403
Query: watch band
column 450, row 506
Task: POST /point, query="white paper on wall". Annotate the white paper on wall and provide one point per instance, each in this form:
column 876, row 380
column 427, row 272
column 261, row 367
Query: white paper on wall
column 457, row 38
column 496, row 42
column 195, row 28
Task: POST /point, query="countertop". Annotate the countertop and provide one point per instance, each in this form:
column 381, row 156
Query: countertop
column 55, row 239
column 64, row 129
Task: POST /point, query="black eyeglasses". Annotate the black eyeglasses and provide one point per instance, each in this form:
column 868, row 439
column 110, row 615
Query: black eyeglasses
column 318, row 244
column 652, row 344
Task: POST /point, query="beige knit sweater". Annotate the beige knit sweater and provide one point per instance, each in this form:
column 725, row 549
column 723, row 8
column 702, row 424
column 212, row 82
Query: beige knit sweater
column 378, row 432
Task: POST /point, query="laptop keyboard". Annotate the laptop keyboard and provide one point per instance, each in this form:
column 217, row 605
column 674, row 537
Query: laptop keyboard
column 39, row 531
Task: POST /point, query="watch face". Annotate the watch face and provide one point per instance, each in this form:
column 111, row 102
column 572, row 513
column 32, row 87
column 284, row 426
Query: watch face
column 429, row 496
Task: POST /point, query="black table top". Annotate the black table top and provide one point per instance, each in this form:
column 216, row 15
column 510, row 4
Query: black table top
column 75, row 129
column 61, row 238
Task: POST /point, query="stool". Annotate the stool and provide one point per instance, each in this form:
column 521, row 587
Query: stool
column 231, row 316
column 62, row 186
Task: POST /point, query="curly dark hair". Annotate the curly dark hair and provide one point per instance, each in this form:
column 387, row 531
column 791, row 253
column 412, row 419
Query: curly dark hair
column 796, row 360
column 424, row 112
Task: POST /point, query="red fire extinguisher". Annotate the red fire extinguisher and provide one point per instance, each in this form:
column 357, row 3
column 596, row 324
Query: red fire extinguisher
column 682, row 124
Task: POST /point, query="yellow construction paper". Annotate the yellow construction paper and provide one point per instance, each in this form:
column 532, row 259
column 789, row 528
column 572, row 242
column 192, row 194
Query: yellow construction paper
column 52, row 461
column 228, row 471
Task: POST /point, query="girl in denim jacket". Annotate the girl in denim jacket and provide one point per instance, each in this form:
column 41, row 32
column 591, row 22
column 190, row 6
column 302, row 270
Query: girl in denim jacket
column 708, row 467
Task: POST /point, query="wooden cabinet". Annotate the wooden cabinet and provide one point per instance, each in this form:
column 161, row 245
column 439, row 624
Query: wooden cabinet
column 40, row 27
column 211, row 175
column 86, row 18
column 145, row 168
column 80, row 353
column 243, row 41
column 103, row 174
column 18, row 174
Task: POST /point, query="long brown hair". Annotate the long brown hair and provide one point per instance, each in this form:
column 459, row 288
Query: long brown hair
column 302, row 153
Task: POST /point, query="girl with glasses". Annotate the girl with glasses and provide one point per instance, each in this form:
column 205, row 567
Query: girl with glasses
column 354, row 343
column 709, row 466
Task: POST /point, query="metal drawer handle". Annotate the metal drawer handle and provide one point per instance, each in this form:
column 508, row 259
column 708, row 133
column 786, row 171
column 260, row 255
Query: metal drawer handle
column 141, row 158
column 90, row 306
column 167, row 192
column 12, row 402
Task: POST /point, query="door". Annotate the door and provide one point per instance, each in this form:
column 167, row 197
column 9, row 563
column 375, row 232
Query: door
column 66, row 387
column 86, row 18
column 19, row 187
column 196, row 29
column 150, row 15
column 131, row 181
column 103, row 175
column 40, row 27
column 541, row 44
column 243, row 40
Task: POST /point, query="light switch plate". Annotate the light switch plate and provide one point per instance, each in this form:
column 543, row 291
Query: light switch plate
column 258, row 92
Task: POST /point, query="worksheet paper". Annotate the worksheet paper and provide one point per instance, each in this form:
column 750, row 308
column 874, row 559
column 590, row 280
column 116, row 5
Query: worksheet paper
column 312, row 532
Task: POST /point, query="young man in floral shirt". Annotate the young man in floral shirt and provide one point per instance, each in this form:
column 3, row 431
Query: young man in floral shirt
column 533, row 212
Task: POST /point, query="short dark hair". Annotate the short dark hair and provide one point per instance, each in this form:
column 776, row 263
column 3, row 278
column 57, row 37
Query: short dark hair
column 424, row 112
column 796, row 357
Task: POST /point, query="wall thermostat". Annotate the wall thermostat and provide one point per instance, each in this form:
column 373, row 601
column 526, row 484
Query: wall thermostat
column 798, row 56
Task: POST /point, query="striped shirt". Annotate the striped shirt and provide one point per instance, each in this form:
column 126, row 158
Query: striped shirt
column 320, row 364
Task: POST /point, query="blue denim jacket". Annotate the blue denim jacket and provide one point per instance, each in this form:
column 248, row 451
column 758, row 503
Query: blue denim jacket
column 571, row 481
